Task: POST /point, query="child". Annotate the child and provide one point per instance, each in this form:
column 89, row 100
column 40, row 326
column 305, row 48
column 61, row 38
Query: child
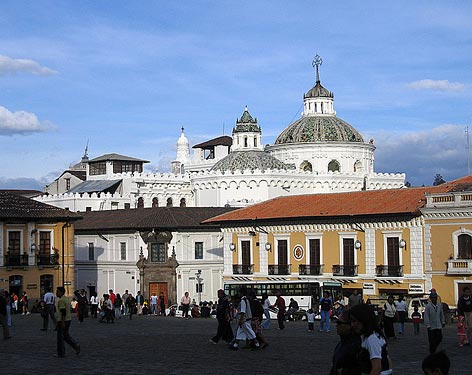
column 436, row 363
column 310, row 317
column 416, row 319
column 462, row 330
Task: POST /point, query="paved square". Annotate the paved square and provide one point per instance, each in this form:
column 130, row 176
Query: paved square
column 168, row 345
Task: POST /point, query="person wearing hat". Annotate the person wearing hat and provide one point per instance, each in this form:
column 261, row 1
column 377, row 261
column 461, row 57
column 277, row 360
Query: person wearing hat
column 3, row 315
column 434, row 321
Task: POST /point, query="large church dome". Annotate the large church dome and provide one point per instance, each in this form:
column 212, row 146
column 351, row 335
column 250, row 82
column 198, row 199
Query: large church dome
column 319, row 129
column 249, row 160
column 318, row 122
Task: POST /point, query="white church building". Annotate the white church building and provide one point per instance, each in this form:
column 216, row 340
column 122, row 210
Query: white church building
column 317, row 153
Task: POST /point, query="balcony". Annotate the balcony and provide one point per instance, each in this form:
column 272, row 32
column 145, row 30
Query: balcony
column 311, row 269
column 389, row 271
column 345, row 270
column 243, row 269
column 16, row 261
column 459, row 267
column 48, row 260
column 279, row 269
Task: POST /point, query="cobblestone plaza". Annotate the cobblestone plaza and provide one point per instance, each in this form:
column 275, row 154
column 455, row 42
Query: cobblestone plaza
column 167, row 345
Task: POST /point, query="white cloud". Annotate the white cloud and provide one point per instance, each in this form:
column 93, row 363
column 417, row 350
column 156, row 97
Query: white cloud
column 12, row 66
column 437, row 85
column 21, row 122
column 422, row 154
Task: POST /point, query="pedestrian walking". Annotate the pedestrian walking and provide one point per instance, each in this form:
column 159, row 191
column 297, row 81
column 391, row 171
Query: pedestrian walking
column 124, row 297
column 154, row 304
column 139, row 303
column 434, row 321
column 389, row 315
column 244, row 330
column 224, row 330
column 94, row 301
column 462, row 331
column 3, row 315
column 24, row 304
column 266, row 306
column 373, row 358
column 326, row 303
column 416, row 318
column 354, row 299
column 9, row 307
column 185, row 303
column 401, row 314
column 280, row 305
column 464, row 308
column 63, row 324
column 44, row 315
column 50, row 305
column 162, row 304
column 310, row 318
column 118, row 303
column 257, row 312
column 82, row 304
column 131, row 305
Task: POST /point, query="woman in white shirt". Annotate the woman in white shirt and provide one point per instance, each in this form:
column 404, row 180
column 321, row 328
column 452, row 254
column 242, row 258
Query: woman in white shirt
column 389, row 314
column 374, row 359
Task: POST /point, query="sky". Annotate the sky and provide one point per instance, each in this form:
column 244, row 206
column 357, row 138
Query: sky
column 125, row 76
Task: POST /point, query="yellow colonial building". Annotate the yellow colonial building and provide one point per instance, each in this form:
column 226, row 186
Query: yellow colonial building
column 448, row 241
column 374, row 241
column 36, row 246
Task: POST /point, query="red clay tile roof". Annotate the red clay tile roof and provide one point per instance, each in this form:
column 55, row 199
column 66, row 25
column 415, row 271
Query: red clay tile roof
column 160, row 218
column 361, row 203
column 16, row 208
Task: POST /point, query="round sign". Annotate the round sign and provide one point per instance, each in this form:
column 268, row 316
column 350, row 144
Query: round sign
column 298, row 252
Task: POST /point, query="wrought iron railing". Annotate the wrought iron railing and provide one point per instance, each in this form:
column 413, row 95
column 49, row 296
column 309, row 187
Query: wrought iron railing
column 310, row 269
column 389, row 271
column 48, row 260
column 16, row 260
column 243, row 269
column 279, row 269
column 345, row 270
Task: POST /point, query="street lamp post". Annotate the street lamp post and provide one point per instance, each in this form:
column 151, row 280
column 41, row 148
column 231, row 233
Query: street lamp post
column 198, row 275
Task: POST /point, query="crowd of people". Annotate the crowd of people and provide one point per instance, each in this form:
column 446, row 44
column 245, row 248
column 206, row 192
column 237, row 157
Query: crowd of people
column 364, row 331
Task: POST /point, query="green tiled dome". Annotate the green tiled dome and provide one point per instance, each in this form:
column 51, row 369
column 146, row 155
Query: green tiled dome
column 318, row 91
column 319, row 129
column 252, row 160
column 246, row 123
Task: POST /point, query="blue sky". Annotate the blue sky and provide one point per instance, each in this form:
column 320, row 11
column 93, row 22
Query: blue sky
column 125, row 76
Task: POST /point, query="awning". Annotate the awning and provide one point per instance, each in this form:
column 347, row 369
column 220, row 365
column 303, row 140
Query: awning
column 389, row 281
column 241, row 278
column 277, row 278
column 345, row 281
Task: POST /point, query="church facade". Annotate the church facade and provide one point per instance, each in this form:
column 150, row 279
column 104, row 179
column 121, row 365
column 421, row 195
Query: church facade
column 318, row 153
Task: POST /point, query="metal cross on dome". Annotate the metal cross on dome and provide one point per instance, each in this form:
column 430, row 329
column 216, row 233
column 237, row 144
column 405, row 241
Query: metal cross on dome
column 317, row 61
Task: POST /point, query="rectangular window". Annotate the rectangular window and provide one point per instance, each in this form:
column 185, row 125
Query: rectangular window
column 67, row 184
column 44, row 243
column 14, row 242
column 315, row 251
column 98, row 168
column 114, row 205
column 393, row 251
column 158, row 252
column 91, row 251
column 246, row 253
column 127, row 206
column 198, row 250
column 348, row 251
column 88, row 209
column 125, row 166
column 123, row 250
column 282, row 246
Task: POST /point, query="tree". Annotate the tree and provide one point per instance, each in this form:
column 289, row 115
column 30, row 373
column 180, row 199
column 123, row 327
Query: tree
column 438, row 180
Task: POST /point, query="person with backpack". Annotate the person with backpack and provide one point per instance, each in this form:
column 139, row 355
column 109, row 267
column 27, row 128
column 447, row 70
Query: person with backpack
column 257, row 311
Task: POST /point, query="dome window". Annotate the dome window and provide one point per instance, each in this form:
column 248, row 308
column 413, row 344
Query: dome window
column 334, row 166
column 140, row 202
column 358, row 166
column 183, row 203
column 155, row 202
column 169, row 202
column 306, row 166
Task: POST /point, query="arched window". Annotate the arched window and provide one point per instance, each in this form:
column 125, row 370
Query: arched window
column 155, row 202
column 169, row 202
column 306, row 166
column 357, row 166
column 465, row 246
column 245, row 141
column 140, row 202
column 183, row 203
column 334, row 166
column 255, row 141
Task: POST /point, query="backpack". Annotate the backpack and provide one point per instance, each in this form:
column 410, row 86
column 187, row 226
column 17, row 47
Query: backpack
column 257, row 310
